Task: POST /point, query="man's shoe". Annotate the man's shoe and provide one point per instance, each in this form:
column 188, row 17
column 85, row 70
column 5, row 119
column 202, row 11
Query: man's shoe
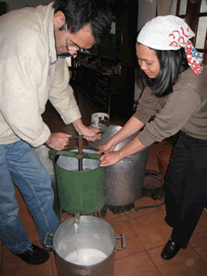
column 170, row 250
column 34, row 255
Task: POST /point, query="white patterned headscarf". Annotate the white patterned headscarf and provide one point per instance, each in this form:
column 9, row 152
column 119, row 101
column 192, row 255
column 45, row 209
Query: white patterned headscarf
column 171, row 33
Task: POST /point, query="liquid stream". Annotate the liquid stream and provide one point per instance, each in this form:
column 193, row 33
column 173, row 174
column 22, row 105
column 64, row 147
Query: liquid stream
column 76, row 225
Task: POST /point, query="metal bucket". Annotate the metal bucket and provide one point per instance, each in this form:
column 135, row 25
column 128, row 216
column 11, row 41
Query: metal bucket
column 80, row 191
column 93, row 235
column 43, row 154
column 125, row 179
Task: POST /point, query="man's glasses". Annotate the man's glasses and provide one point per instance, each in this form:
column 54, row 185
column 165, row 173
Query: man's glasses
column 74, row 47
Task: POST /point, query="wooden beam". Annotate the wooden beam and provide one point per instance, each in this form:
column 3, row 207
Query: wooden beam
column 205, row 51
column 192, row 16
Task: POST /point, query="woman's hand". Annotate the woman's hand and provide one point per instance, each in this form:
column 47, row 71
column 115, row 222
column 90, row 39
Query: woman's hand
column 110, row 158
column 58, row 141
column 105, row 148
column 114, row 157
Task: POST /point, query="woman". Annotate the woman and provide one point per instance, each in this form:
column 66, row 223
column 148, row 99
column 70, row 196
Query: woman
column 174, row 99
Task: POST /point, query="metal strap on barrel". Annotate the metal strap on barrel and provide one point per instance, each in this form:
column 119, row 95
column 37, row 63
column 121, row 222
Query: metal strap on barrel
column 53, row 154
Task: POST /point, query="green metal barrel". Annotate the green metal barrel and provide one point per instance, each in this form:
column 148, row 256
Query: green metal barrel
column 80, row 191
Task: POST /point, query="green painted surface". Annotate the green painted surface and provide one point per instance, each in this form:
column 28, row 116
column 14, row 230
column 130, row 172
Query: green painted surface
column 83, row 191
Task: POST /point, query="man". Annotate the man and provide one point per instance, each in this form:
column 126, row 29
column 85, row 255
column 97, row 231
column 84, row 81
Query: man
column 32, row 39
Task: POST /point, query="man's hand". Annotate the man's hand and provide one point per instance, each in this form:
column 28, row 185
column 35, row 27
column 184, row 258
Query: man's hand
column 58, row 140
column 89, row 133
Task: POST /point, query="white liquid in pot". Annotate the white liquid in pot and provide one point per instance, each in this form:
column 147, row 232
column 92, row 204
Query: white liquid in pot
column 86, row 257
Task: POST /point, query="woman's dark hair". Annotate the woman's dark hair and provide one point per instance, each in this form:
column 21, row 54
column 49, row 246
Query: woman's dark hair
column 172, row 64
column 79, row 13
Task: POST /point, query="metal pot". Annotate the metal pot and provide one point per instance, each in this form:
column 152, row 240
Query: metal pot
column 125, row 179
column 92, row 235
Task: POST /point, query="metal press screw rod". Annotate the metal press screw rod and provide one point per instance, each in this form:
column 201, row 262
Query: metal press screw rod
column 80, row 151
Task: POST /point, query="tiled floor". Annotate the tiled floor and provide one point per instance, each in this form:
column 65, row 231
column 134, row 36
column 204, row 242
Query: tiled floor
column 145, row 230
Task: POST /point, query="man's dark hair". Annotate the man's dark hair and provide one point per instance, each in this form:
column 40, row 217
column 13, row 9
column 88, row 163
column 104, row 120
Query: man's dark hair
column 79, row 13
column 172, row 64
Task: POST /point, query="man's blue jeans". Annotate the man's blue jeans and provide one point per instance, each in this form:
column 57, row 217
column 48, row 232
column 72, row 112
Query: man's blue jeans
column 20, row 164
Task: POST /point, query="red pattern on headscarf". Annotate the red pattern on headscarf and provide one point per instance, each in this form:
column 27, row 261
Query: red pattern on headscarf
column 194, row 63
column 180, row 39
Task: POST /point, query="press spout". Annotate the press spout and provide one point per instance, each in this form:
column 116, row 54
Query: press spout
column 76, row 219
